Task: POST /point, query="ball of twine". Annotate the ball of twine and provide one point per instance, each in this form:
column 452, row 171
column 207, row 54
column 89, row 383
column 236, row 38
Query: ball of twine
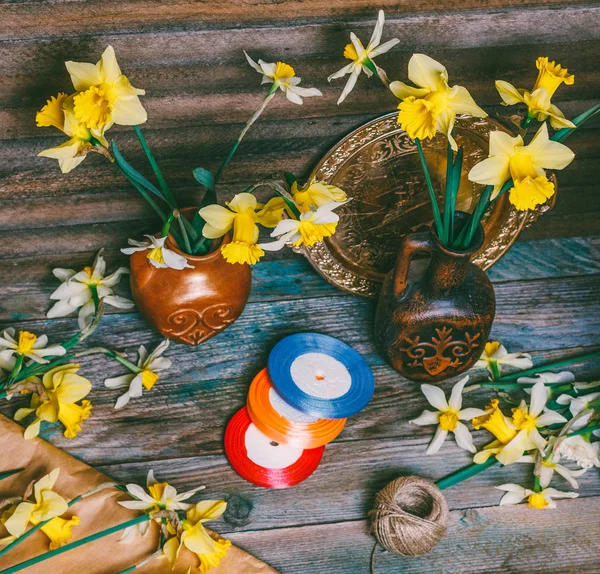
column 409, row 516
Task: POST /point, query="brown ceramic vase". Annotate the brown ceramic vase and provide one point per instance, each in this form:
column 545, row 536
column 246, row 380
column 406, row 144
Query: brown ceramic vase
column 436, row 326
column 192, row 305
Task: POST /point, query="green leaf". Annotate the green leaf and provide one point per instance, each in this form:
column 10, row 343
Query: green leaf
column 134, row 174
column 562, row 134
column 290, row 178
column 205, row 178
column 8, row 473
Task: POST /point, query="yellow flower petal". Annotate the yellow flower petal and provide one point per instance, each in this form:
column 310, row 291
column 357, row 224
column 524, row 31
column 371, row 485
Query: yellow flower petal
column 219, row 220
column 241, row 252
column 270, row 214
column 93, row 108
column 71, row 416
column 462, row 102
column 206, row 510
column 52, row 113
column 548, row 153
column 417, row 118
column 49, row 505
column 67, row 150
column 426, row 72
column 83, row 75
column 551, row 76
column 491, row 171
column 60, row 530
column 283, row 71
column 529, row 192
column 509, row 94
column 108, row 66
column 171, row 550
column 196, row 539
column 243, row 202
column 149, row 379
column 402, row 90
column 17, row 523
column 213, row 559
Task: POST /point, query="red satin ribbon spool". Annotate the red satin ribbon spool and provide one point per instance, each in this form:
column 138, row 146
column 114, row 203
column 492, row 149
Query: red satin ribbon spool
column 235, row 449
column 278, row 427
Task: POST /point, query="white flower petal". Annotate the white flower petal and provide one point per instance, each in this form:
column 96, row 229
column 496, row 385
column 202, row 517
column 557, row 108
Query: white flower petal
column 549, row 418
column 539, row 396
column 427, row 418
column 435, row 397
column 463, row 438
column 438, row 440
column 455, row 401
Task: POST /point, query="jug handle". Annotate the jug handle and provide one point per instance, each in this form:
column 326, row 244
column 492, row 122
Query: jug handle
column 411, row 245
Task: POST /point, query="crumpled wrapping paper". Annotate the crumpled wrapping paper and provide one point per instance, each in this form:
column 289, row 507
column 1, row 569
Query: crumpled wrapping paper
column 98, row 512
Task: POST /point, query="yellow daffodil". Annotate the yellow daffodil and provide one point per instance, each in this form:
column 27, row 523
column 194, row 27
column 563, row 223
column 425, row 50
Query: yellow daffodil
column 158, row 255
column 316, row 194
column 521, row 433
column 540, row 500
column 495, row 355
column 362, row 59
column 210, row 551
column 78, row 288
column 243, row 213
column 282, row 76
column 64, row 387
column 448, row 416
column 28, row 345
column 149, row 365
column 160, row 496
column 510, row 158
column 312, row 227
column 47, row 504
column 105, row 96
column 59, row 112
column 432, row 106
column 538, row 101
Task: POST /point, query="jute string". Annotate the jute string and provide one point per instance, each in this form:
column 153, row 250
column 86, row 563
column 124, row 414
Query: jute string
column 409, row 517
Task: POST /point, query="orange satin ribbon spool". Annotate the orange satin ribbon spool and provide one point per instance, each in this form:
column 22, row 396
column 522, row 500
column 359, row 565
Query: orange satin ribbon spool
column 280, row 429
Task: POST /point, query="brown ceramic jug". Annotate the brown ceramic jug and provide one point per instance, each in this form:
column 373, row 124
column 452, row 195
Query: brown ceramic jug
column 435, row 327
column 191, row 305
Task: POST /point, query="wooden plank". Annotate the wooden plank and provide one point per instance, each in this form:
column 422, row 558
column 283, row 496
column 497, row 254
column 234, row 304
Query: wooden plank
column 28, row 281
column 343, row 486
column 484, row 541
column 206, row 387
column 27, row 19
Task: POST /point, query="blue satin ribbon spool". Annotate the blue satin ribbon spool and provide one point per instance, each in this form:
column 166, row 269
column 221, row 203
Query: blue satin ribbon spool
column 361, row 382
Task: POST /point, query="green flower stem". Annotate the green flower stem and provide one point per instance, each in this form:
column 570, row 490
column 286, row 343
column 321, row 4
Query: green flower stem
column 536, row 485
column 8, row 473
column 167, row 225
column 249, row 123
column 448, row 198
column 463, row 474
column 584, row 430
column 434, row 204
column 159, row 176
column 35, row 528
column 547, row 367
column 526, row 122
column 133, row 368
column 16, row 369
column 184, row 234
column 76, row 544
column 495, row 368
column 145, row 195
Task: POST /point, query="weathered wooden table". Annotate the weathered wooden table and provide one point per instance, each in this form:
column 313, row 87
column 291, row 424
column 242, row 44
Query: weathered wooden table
column 200, row 91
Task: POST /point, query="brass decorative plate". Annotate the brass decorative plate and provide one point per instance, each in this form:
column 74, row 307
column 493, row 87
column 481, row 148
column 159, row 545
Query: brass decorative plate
column 379, row 168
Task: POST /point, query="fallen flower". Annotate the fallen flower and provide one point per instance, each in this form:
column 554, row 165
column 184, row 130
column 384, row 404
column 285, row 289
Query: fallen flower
column 540, row 500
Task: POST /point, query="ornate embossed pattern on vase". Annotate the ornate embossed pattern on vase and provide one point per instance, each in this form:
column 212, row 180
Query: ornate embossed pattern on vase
column 436, row 326
column 192, row 305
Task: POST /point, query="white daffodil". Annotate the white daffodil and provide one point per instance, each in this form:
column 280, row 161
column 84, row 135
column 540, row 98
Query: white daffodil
column 432, row 105
column 549, row 465
column 312, row 227
column 78, row 289
column 547, row 378
column 578, row 405
column 578, row 449
column 159, row 256
column 149, row 365
column 510, row 158
column 160, row 496
column 28, row 345
column 544, row 499
column 282, row 76
column 447, row 416
column 495, row 355
column 362, row 58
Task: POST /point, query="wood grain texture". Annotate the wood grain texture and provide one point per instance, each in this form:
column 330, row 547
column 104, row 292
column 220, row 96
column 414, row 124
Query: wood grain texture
column 200, row 91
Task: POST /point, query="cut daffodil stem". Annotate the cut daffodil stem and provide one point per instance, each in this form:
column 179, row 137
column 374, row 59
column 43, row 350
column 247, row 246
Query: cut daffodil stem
column 542, row 368
column 249, row 123
column 33, row 529
column 76, row 544
column 8, row 473
column 463, row 474
column 584, row 430
column 434, row 204
column 113, row 355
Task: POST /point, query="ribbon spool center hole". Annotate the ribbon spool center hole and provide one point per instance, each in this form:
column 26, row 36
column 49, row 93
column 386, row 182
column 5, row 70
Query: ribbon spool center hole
column 319, row 376
column 273, row 443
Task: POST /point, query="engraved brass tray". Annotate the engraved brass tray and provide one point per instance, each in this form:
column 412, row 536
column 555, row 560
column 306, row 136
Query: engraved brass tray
column 378, row 167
